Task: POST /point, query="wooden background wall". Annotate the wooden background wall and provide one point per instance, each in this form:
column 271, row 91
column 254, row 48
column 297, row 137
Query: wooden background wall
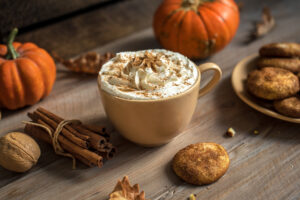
column 70, row 27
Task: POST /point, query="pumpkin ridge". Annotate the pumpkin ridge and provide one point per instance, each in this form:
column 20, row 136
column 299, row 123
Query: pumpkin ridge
column 169, row 16
column 49, row 75
column 217, row 14
column 1, row 101
column 41, row 52
column 21, row 99
column 30, row 49
column 42, row 73
column 38, row 51
column 13, row 99
column 222, row 39
column 25, row 45
column 161, row 34
column 27, row 50
column 179, row 28
column 33, row 95
column 228, row 5
column 209, row 44
column 17, row 45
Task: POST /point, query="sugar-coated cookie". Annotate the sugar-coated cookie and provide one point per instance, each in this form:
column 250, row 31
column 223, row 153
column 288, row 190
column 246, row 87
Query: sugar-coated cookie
column 272, row 83
column 201, row 163
column 291, row 64
column 289, row 106
column 280, row 50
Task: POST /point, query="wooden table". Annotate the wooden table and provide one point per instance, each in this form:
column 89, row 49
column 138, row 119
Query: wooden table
column 263, row 166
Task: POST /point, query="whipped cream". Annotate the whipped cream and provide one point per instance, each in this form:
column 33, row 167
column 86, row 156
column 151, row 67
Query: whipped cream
column 148, row 74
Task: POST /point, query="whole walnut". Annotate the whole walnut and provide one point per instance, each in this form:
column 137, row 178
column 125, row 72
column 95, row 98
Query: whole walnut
column 18, row 152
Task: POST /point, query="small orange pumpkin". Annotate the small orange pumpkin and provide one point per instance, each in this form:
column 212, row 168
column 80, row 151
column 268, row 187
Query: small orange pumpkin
column 27, row 73
column 196, row 28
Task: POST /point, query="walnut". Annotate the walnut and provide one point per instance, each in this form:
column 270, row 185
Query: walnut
column 18, row 152
column 124, row 191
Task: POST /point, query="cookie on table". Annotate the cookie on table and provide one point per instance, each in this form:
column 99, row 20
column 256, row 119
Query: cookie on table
column 201, row 163
column 289, row 106
column 291, row 64
column 272, row 83
column 280, row 50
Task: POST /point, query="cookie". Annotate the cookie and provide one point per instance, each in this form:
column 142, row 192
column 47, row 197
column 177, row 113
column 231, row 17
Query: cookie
column 280, row 50
column 291, row 64
column 201, row 163
column 289, row 106
column 272, row 83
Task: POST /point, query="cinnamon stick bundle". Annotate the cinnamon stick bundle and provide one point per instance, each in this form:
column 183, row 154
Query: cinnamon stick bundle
column 86, row 144
column 96, row 140
column 80, row 142
column 85, row 156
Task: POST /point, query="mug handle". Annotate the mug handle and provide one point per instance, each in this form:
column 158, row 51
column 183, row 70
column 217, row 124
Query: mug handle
column 213, row 82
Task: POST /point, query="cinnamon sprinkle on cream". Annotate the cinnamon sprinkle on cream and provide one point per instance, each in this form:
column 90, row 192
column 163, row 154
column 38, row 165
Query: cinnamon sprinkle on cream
column 150, row 74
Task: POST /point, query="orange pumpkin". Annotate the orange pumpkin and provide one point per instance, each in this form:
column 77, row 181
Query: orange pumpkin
column 196, row 28
column 27, row 73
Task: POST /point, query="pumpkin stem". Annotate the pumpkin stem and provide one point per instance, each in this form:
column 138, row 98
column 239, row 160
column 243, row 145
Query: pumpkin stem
column 11, row 52
column 193, row 4
column 190, row 4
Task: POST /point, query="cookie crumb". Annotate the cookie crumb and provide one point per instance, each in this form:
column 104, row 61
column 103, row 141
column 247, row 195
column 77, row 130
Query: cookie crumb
column 192, row 197
column 256, row 132
column 230, row 132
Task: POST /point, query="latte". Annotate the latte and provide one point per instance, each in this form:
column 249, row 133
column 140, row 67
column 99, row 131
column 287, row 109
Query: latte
column 148, row 74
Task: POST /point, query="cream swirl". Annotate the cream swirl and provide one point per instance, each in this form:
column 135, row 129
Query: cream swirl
column 151, row 74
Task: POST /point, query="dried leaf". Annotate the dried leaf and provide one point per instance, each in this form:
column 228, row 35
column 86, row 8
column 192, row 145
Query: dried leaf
column 89, row 63
column 240, row 5
column 266, row 25
column 124, row 191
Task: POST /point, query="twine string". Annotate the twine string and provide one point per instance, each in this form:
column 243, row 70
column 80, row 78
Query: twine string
column 54, row 137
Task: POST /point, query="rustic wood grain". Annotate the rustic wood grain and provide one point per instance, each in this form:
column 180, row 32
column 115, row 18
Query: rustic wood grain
column 22, row 14
column 263, row 166
column 89, row 30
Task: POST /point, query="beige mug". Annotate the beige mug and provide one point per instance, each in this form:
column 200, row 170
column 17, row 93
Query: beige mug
column 156, row 122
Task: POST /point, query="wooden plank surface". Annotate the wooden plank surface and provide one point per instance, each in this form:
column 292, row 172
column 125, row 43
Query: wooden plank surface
column 93, row 29
column 21, row 14
column 264, row 166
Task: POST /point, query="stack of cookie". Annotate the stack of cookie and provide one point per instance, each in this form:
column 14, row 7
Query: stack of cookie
column 277, row 77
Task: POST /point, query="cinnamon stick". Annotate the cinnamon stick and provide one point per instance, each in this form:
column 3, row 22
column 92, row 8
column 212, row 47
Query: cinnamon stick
column 85, row 156
column 71, row 137
column 98, row 129
column 96, row 141
column 76, row 140
column 108, row 153
column 58, row 119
